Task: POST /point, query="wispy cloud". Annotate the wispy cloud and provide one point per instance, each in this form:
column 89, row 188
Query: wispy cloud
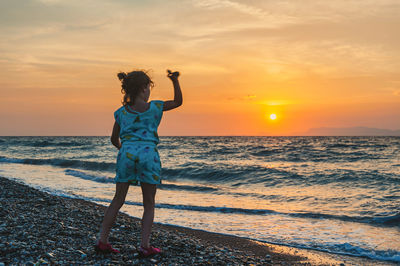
column 48, row 2
column 241, row 7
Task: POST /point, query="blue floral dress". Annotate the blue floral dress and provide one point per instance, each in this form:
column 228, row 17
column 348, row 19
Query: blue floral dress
column 138, row 159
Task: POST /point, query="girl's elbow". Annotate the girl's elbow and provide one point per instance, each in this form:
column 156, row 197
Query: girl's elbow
column 114, row 140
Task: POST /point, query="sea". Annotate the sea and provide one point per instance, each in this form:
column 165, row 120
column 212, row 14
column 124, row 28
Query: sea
column 334, row 194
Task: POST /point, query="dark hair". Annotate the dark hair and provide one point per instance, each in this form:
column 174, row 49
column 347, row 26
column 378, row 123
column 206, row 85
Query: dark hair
column 132, row 83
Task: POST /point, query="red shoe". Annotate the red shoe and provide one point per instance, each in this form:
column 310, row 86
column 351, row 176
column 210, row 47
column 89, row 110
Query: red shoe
column 105, row 248
column 147, row 252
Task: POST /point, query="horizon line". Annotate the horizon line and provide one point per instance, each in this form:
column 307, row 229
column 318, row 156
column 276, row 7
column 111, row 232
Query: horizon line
column 208, row 136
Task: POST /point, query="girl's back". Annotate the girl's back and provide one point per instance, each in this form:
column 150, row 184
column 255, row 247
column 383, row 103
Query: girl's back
column 139, row 126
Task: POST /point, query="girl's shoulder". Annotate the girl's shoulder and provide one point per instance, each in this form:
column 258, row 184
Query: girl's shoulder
column 158, row 103
column 120, row 110
column 121, row 114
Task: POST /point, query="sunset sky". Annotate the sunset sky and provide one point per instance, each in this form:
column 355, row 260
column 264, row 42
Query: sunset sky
column 311, row 63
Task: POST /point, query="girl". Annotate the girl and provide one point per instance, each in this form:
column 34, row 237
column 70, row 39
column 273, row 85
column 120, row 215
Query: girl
column 138, row 162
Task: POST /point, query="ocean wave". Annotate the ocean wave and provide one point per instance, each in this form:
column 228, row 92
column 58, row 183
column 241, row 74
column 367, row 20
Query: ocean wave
column 393, row 220
column 225, row 172
column 311, row 155
column 262, row 153
column 351, row 249
column 252, row 174
column 187, row 187
column 388, row 221
column 388, row 255
column 46, row 143
column 91, row 177
column 230, row 174
column 314, row 150
column 105, row 179
column 194, row 207
column 80, row 164
column 343, row 145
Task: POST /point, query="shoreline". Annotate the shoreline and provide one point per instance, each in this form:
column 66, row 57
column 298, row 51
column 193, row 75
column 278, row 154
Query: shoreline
column 40, row 227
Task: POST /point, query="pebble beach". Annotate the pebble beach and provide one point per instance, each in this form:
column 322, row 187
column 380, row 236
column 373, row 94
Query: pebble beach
column 38, row 228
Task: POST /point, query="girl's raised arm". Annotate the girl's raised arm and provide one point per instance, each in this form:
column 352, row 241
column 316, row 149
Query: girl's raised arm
column 177, row 101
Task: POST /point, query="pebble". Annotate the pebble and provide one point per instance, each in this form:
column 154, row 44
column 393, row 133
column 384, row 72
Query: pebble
column 83, row 254
column 50, row 255
column 43, row 262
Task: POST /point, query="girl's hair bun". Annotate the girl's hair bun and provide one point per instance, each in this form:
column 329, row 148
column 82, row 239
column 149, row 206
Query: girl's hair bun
column 122, row 75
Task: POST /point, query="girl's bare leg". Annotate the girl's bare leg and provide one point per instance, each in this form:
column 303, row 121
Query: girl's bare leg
column 112, row 210
column 149, row 193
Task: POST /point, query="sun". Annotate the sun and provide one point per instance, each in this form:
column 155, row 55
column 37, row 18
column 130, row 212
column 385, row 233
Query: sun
column 272, row 116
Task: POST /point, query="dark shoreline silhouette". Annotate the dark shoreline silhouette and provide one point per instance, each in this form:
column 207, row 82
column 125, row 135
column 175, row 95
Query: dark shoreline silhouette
column 350, row 131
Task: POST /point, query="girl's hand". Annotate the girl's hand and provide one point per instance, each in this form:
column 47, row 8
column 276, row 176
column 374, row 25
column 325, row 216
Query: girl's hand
column 173, row 75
